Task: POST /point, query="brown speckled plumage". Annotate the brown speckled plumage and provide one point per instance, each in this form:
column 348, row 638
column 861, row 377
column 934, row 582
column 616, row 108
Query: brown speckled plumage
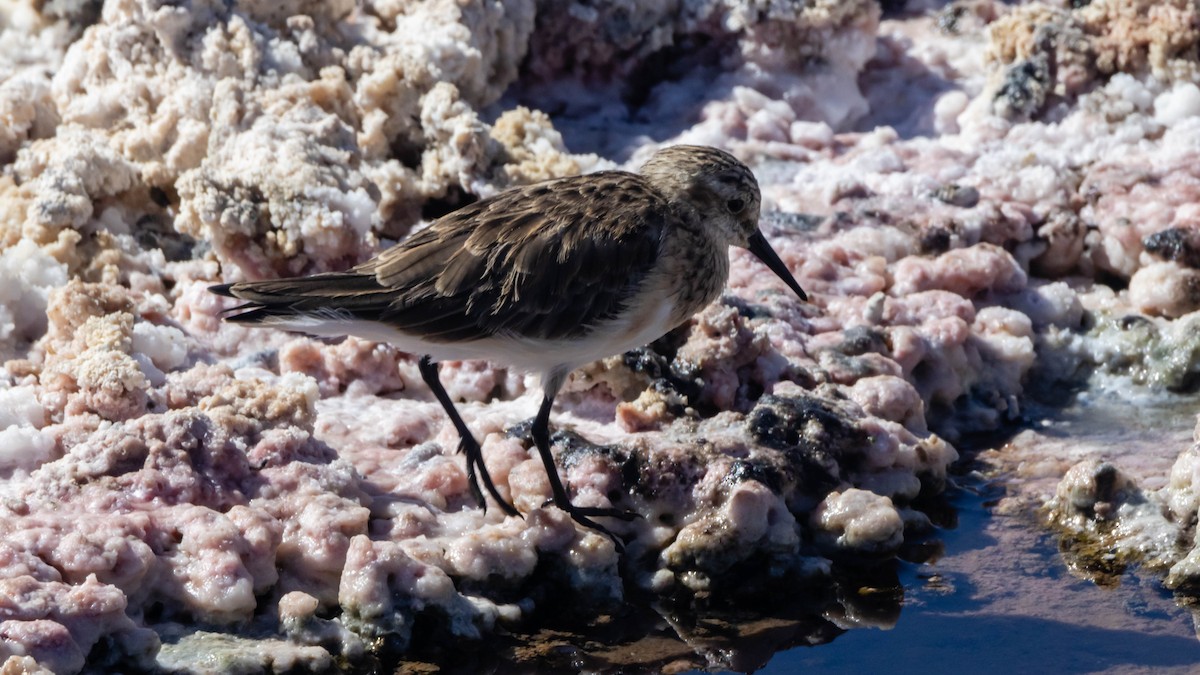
column 546, row 277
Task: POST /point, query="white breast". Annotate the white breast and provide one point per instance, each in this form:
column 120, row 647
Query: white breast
column 644, row 322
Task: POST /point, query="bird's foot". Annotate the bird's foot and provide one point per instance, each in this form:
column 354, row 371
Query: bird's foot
column 477, row 469
column 598, row 511
column 584, row 514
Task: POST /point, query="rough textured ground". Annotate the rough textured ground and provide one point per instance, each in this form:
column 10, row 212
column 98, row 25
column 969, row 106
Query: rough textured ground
column 979, row 197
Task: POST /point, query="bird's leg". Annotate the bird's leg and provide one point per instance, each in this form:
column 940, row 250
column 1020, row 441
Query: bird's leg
column 541, row 438
column 467, row 443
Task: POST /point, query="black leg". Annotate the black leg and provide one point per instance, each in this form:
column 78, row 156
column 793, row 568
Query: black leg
column 467, row 443
column 541, row 438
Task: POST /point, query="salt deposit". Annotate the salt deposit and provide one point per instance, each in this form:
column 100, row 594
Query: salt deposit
column 980, row 199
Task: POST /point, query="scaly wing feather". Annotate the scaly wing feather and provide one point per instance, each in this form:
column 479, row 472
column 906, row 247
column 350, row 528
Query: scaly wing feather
column 548, row 261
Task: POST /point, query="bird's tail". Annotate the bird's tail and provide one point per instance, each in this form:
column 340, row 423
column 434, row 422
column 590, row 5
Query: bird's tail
column 270, row 302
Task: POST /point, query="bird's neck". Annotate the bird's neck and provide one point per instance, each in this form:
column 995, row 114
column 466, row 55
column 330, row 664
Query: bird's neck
column 696, row 268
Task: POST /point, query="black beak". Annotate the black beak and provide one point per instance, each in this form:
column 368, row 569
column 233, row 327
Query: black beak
column 758, row 246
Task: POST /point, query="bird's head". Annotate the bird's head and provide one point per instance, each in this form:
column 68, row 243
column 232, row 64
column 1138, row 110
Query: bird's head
column 723, row 192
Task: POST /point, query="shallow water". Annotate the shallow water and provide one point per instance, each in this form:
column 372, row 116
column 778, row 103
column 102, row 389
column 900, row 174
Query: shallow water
column 1002, row 598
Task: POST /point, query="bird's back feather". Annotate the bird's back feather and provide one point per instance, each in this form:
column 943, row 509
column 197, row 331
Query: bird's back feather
column 539, row 262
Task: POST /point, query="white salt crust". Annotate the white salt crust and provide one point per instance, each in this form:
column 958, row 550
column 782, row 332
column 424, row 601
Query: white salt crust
column 947, row 228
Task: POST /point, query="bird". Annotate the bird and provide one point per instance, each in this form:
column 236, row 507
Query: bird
column 543, row 278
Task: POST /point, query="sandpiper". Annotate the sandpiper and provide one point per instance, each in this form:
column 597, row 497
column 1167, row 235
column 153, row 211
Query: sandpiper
column 544, row 278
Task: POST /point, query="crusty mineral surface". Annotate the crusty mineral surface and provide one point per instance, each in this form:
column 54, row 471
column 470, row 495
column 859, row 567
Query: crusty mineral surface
column 977, row 197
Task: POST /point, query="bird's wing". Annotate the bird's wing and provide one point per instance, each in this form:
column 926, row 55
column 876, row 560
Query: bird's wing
column 549, row 261
column 332, row 293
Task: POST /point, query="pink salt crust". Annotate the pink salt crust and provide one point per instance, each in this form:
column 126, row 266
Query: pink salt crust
column 160, row 467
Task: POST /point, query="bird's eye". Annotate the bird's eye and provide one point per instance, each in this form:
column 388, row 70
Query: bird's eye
column 735, row 205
